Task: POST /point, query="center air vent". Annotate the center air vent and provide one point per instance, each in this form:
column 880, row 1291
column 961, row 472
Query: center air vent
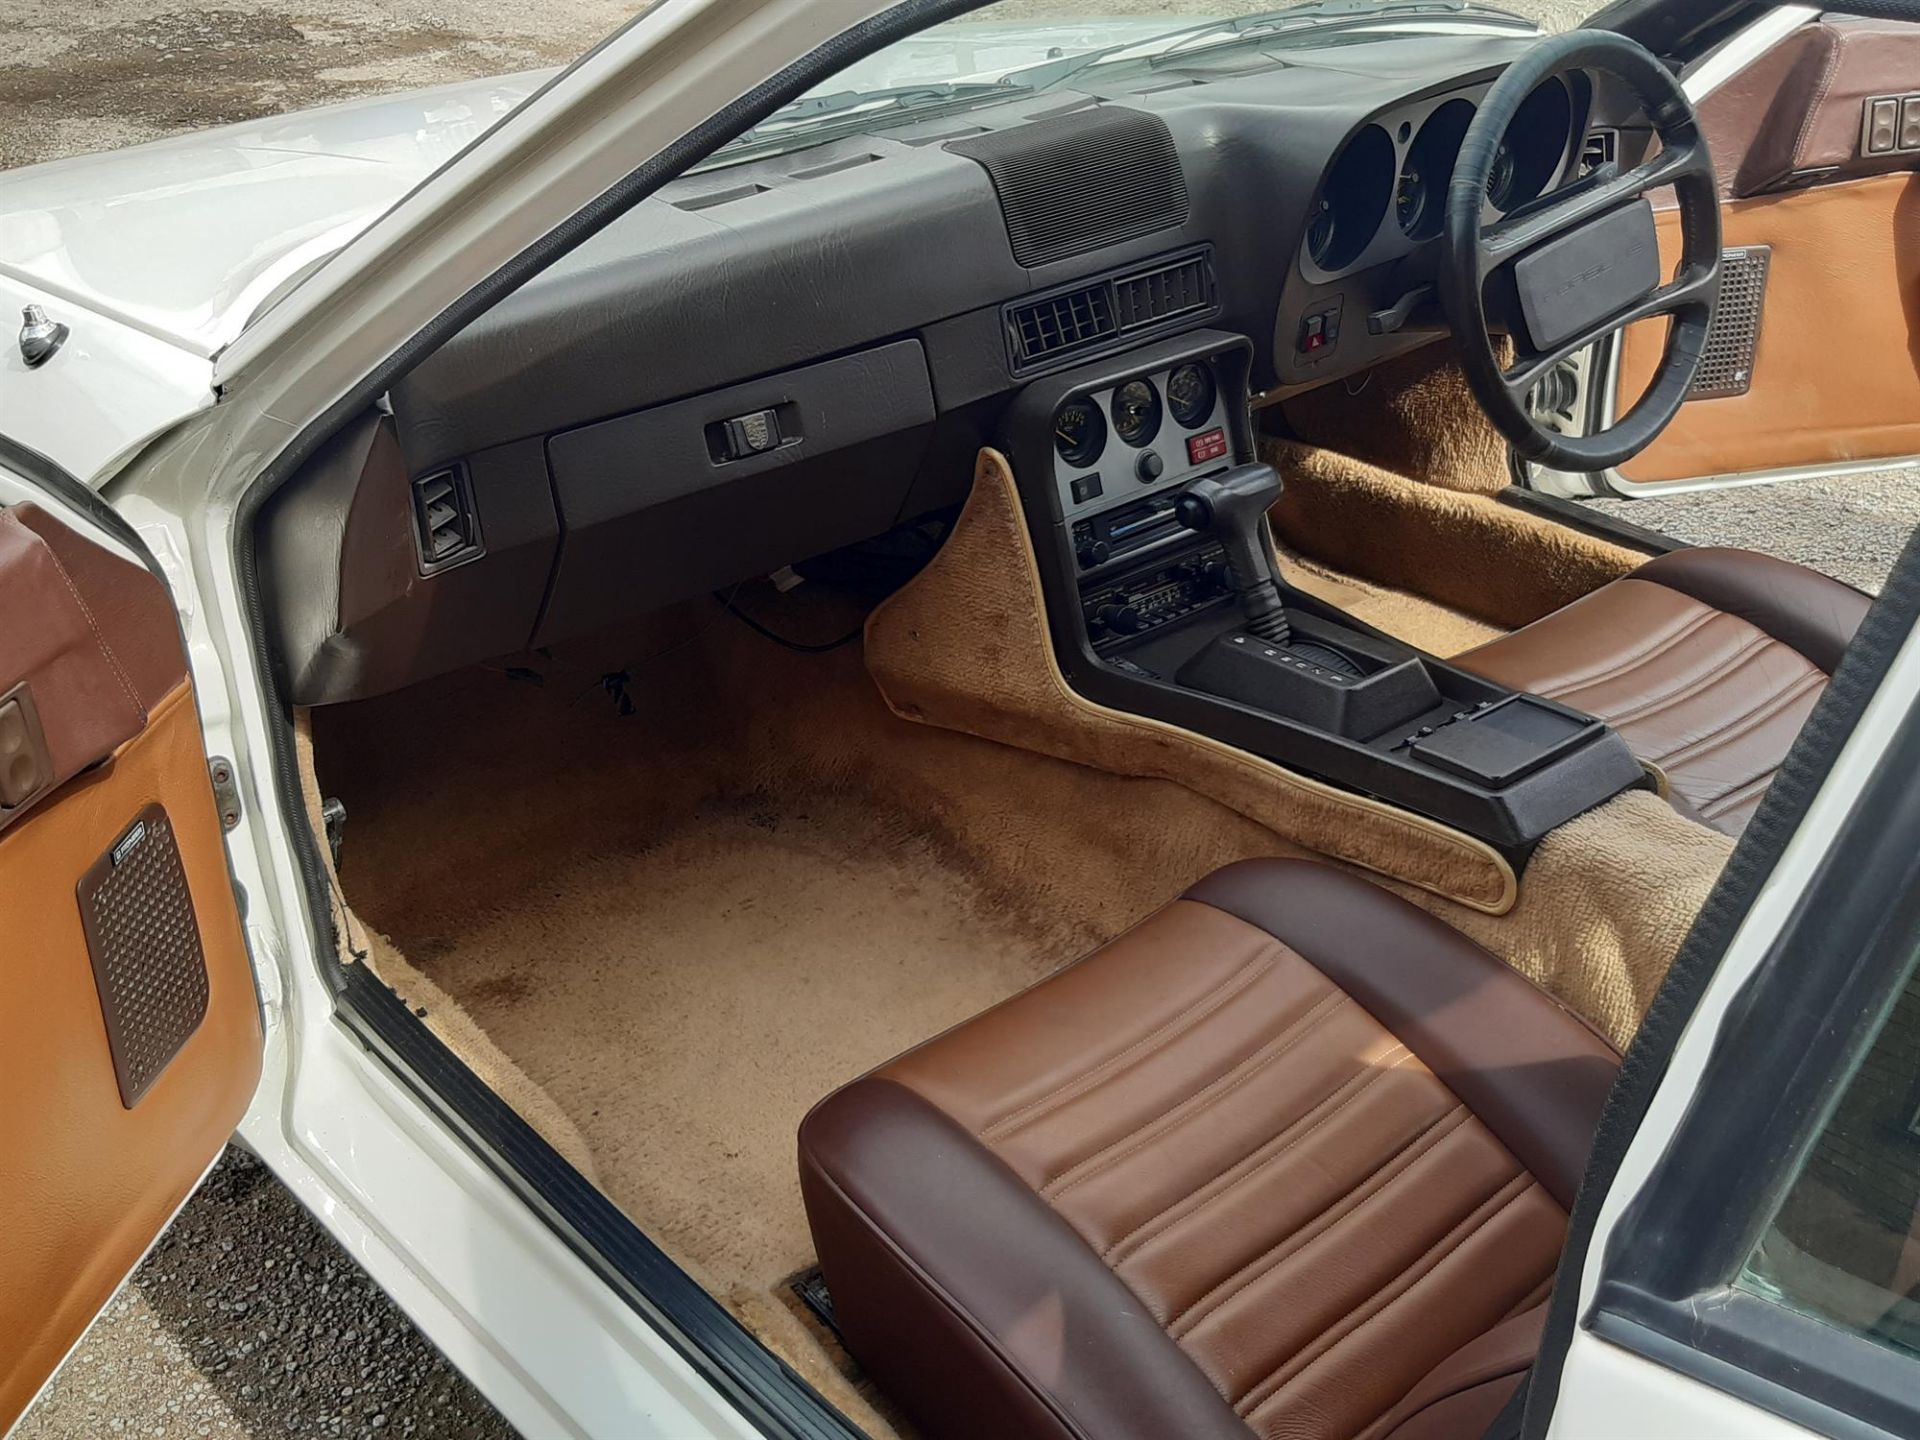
column 1075, row 183
column 1125, row 305
column 1178, row 289
column 1062, row 324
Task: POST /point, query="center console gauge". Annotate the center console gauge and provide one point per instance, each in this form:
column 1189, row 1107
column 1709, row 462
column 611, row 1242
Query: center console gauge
column 1190, row 394
column 1136, row 412
column 1079, row 432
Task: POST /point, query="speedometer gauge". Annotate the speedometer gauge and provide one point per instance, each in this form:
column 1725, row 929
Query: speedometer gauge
column 1190, row 394
column 1079, row 432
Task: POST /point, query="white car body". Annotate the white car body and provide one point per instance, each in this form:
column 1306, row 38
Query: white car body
column 224, row 291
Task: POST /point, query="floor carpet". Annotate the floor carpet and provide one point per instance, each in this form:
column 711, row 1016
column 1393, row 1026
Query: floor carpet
column 690, row 894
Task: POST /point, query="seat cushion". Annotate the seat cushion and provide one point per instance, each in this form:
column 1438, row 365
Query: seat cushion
column 1707, row 661
column 1291, row 1156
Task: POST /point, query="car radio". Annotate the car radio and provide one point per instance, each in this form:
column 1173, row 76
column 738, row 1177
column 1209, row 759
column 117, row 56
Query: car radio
column 1159, row 595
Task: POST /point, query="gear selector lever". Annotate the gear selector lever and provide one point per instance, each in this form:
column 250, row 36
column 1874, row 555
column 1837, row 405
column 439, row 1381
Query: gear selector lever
column 1229, row 508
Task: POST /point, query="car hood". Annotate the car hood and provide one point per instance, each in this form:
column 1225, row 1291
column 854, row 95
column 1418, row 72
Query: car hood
column 185, row 238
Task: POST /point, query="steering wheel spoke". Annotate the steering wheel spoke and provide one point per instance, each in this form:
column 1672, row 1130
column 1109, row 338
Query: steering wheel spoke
column 1576, row 205
column 1691, row 290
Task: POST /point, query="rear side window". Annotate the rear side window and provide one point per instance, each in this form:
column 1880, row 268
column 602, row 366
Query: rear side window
column 1844, row 1246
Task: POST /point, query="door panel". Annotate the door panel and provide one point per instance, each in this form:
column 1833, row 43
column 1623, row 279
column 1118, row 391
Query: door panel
column 1836, row 367
column 1835, row 372
column 129, row 1025
column 1794, row 117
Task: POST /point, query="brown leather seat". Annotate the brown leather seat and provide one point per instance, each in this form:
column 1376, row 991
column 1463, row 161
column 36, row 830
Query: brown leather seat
column 1708, row 661
column 1290, row 1157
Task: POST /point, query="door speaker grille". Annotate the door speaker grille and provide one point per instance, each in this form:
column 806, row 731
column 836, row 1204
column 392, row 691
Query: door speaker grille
column 143, row 938
column 1726, row 363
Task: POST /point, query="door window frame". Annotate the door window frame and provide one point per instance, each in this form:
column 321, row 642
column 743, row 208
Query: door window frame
column 1780, row 1063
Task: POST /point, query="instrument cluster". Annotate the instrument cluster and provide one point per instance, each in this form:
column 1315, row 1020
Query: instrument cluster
column 1110, row 445
column 1386, row 191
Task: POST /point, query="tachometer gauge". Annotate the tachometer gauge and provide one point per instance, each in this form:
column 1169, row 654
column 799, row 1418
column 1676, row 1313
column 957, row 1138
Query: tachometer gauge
column 1079, row 432
column 1136, row 412
column 1410, row 200
column 1190, row 394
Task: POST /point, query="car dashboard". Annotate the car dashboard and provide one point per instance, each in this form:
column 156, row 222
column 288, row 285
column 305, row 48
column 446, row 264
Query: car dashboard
column 772, row 358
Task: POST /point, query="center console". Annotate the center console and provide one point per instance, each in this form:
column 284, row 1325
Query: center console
column 1147, row 505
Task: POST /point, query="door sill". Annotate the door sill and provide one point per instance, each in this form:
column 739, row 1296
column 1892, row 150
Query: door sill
column 724, row 1353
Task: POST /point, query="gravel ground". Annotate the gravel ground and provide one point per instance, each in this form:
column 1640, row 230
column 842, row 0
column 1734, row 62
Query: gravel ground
column 1850, row 526
column 247, row 1320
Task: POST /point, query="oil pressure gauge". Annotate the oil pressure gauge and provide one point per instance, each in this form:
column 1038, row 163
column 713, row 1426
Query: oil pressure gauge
column 1079, row 432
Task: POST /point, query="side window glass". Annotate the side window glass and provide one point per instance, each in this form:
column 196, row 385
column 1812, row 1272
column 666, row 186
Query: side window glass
column 1844, row 1246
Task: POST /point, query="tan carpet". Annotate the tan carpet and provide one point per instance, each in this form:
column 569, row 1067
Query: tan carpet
column 1394, row 481
column 1404, row 615
column 1463, row 551
column 688, row 924
column 1413, row 416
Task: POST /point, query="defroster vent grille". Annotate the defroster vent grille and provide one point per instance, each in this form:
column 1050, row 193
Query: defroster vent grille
column 1075, row 183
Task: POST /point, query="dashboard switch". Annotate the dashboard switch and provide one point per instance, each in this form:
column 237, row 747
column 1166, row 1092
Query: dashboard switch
column 1882, row 129
column 1210, row 445
column 1320, row 330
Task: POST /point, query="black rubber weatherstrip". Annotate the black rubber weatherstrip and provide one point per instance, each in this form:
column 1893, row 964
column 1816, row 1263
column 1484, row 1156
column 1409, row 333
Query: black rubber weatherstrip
column 778, row 1401
column 1754, row 858
column 1589, row 521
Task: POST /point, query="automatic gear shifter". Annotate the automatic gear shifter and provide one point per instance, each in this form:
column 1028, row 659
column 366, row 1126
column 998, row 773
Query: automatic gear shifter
column 1229, row 509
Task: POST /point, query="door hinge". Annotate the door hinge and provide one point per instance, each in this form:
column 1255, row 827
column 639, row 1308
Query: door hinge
column 226, row 791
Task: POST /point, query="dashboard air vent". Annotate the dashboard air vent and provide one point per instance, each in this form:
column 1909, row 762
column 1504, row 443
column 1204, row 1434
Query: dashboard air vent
column 1157, row 295
column 446, row 527
column 1062, row 324
column 1123, row 305
column 1600, row 148
column 1078, row 182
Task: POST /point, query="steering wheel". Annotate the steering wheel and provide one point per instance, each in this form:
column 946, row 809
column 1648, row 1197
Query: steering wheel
column 1580, row 262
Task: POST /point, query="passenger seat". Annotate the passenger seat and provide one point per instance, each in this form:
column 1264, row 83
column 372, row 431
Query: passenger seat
column 1290, row 1157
